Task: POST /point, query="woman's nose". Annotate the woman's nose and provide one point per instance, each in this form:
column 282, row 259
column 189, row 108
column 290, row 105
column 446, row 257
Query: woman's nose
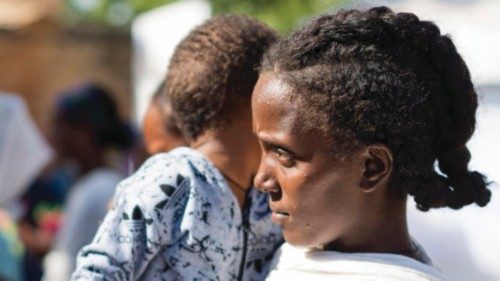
column 264, row 179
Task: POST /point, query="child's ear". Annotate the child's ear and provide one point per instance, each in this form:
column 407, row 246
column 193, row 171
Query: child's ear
column 377, row 167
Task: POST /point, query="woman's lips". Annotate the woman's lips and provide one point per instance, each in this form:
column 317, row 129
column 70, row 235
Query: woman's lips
column 279, row 217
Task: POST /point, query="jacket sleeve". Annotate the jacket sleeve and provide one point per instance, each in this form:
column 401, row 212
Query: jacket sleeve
column 143, row 222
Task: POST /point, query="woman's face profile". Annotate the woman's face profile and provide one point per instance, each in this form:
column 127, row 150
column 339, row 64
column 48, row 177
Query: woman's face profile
column 314, row 194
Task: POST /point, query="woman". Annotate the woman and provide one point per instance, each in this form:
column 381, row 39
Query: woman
column 353, row 111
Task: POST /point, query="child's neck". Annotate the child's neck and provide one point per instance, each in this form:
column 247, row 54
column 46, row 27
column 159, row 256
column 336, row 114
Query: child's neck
column 232, row 159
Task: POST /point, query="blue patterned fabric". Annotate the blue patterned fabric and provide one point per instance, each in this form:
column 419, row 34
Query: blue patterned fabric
column 177, row 219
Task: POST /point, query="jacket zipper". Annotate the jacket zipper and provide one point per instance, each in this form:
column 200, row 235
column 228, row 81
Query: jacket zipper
column 245, row 225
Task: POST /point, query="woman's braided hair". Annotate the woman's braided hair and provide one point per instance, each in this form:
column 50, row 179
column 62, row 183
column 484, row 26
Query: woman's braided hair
column 382, row 77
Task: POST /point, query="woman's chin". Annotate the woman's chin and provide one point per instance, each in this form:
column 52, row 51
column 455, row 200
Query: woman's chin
column 299, row 241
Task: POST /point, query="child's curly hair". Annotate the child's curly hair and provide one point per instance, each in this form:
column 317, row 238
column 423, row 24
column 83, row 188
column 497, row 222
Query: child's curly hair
column 213, row 69
column 377, row 76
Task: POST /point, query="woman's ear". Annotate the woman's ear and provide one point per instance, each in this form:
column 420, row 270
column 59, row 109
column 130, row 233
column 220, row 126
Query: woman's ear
column 377, row 167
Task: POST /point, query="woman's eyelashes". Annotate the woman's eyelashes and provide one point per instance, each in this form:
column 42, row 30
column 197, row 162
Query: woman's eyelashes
column 284, row 156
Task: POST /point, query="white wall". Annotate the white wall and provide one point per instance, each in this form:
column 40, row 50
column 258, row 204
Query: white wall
column 155, row 34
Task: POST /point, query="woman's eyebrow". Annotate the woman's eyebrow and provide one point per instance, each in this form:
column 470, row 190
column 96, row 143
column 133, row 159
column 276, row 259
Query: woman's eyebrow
column 274, row 145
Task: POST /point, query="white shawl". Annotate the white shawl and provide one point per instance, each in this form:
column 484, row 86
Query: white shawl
column 292, row 263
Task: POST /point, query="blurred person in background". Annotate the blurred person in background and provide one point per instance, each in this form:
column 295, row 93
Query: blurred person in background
column 88, row 130
column 160, row 130
column 23, row 153
column 41, row 209
column 11, row 249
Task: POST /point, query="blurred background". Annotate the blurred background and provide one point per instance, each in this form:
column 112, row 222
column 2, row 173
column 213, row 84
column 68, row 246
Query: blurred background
column 57, row 55
column 49, row 45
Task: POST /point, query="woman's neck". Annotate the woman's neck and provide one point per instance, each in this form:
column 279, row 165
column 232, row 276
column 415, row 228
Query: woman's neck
column 385, row 231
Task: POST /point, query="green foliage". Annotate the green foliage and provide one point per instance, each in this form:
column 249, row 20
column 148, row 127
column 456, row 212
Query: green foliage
column 280, row 14
column 118, row 13
column 145, row 5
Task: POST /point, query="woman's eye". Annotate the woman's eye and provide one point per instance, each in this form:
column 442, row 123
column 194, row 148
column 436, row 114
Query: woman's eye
column 284, row 157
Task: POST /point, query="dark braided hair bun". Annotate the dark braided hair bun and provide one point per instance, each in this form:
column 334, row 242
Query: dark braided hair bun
column 382, row 77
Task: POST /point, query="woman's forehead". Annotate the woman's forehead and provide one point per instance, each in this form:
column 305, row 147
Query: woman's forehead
column 277, row 112
column 271, row 88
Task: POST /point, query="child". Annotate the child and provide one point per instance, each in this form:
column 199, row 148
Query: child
column 191, row 214
column 353, row 111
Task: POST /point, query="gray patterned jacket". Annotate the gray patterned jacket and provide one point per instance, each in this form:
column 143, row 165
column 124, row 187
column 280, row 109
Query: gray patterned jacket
column 177, row 219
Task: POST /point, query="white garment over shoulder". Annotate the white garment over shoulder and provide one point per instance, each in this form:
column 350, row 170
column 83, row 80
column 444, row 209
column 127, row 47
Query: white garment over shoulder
column 291, row 263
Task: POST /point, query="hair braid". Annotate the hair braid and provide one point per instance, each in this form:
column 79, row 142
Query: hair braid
column 465, row 187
